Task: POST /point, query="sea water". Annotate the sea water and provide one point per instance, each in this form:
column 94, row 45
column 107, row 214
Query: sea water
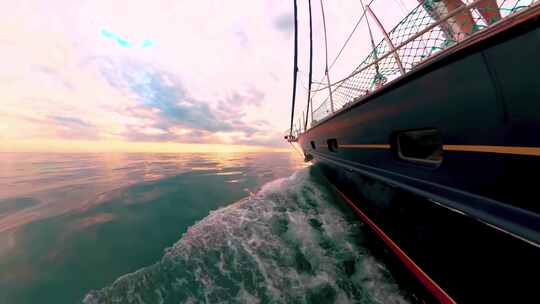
column 180, row 228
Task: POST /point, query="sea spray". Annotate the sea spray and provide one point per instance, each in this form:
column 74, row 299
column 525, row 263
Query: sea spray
column 290, row 243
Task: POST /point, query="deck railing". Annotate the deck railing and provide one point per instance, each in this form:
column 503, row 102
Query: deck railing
column 427, row 30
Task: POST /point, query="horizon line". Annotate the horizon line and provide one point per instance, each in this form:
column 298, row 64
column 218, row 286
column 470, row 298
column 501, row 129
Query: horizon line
column 118, row 146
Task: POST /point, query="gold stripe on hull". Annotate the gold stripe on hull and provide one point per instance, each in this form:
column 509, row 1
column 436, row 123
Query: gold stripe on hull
column 532, row 151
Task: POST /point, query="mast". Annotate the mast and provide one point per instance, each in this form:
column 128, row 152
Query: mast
column 295, row 68
column 310, row 67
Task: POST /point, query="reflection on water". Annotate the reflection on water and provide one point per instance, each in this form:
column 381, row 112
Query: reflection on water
column 74, row 222
column 34, row 185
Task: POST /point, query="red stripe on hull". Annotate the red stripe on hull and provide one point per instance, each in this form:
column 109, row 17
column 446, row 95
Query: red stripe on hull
column 435, row 290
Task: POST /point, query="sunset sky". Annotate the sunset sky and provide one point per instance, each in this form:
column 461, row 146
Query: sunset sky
column 162, row 75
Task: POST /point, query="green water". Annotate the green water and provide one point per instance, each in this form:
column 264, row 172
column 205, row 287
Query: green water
column 73, row 225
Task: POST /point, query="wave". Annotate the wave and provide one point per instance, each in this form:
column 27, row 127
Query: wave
column 291, row 242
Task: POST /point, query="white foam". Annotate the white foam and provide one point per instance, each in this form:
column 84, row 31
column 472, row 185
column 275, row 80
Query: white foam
column 261, row 249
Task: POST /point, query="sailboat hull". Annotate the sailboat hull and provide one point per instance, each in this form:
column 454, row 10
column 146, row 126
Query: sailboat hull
column 445, row 160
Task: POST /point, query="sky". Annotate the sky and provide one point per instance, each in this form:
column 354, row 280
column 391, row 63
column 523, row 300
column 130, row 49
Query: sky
column 163, row 75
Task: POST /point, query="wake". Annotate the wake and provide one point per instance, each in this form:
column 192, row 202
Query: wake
column 288, row 243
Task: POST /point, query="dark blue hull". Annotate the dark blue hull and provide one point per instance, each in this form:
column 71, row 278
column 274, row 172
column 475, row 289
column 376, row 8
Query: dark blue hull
column 446, row 160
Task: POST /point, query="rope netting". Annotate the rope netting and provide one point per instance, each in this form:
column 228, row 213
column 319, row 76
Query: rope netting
column 429, row 28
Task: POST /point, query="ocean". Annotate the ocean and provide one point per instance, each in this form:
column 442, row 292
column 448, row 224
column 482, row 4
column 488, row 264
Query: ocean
column 180, row 228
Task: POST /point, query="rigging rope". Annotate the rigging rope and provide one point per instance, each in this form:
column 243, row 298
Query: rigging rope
column 351, row 34
column 401, row 5
column 406, row 41
column 299, row 152
column 373, row 46
column 326, row 58
column 342, row 49
column 302, row 77
column 295, row 64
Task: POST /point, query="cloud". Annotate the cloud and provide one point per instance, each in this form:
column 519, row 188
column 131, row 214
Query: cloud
column 72, row 127
column 124, row 42
column 164, row 94
column 119, row 40
column 159, row 71
column 55, row 76
column 172, row 114
column 70, row 121
column 234, row 105
column 242, row 38
column 284, row 23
